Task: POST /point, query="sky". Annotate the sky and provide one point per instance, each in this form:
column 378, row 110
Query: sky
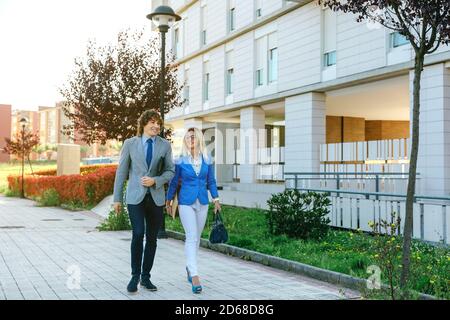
column 40, row 39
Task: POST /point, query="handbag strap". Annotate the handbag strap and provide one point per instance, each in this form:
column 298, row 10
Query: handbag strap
column 218, row 216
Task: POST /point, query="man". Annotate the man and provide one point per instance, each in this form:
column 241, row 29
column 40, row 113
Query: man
column 146, row 160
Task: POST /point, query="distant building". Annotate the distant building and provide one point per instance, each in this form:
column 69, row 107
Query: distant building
column 52, row 120
column 5, row 129
column 33, row 124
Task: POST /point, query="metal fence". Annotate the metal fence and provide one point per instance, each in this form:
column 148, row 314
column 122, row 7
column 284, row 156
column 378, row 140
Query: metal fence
column 355, row 208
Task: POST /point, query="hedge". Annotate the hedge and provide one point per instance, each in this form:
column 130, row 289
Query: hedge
column 89, row 187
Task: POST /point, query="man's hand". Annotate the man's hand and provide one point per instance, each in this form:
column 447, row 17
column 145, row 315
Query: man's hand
column 117, row 207
column 147, row 181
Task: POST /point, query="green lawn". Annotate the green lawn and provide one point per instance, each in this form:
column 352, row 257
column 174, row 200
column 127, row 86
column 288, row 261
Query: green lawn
column 11, row 168
column 341, row 251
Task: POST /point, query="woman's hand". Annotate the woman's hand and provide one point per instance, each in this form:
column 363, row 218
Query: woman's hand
column 169, row 207
column 217, row 207
column 147, row 181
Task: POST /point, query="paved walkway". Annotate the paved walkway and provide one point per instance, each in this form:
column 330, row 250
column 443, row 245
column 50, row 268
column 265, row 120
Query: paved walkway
column 51, row 253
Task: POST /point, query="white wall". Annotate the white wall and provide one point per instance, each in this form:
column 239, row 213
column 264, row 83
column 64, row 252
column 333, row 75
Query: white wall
column 299, row 48
column 217, row 16
column 358, row 48
column 269, row 6
column 195, row 90
column 244, row 13
column 243, row 61
column 217, row 74
column 192, row 29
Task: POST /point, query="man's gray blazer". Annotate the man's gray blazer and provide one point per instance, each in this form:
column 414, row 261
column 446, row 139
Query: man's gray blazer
column 133, row 166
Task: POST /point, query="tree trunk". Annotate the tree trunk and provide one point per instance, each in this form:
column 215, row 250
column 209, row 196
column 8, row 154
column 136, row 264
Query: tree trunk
column 29, row 162
column 408, row 229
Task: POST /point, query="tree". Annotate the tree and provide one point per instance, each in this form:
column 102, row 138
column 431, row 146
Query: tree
column 22, row 146
column 112, row 85
column 39, row 149
column 426, row 25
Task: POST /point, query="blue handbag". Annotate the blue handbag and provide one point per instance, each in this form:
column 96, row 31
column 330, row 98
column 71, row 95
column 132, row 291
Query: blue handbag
column 218, row 233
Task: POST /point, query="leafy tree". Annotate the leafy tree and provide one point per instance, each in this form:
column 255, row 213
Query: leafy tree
column 112, row 85
column 426, row 25
column 22, row 145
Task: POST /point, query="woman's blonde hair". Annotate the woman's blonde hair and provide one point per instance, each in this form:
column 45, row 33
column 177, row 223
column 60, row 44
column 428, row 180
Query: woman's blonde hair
column 201, row 145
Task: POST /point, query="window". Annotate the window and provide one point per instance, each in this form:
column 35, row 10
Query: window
column 329, row 45
column 273, row 58
column 266, row 60
column 232, row 16
column 229, row 73
column 259, row 77
column 232, row 19
column 230, row 81
column 330, row 59
column 273, row 65
column 206, row 79
column 260, row 61
column 176, row 44
column 398, row 40
column 203, row 25
column 258, row 6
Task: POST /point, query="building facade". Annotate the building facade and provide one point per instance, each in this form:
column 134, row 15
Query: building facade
column 5, row 129
column 306, row 90
column 32, row 125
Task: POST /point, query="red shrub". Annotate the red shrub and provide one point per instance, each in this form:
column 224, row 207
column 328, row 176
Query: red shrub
column 93, row 184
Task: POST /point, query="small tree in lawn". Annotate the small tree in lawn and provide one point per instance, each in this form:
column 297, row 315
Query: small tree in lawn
column 22, row 145
column 426, row 25
column 112, row 85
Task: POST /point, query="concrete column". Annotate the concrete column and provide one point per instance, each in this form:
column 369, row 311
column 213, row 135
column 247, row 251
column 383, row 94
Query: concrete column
column 252, row 137
column 434, row 139
column 305, row 131
column 68, row 160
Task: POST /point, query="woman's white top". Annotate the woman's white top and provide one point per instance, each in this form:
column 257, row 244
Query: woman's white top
column 196, row 163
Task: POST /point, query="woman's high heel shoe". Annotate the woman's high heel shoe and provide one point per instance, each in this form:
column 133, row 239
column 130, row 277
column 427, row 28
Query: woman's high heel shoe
column 196, row 289
column 189, row 278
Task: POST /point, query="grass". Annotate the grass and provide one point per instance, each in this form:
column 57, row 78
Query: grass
column 15, row 167
column 341, row 251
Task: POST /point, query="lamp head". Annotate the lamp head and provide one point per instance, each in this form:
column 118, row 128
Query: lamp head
column 23, row 121
column 163, row 17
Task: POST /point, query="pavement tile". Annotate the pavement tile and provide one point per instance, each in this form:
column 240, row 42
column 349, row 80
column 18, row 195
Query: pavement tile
column 45, row 258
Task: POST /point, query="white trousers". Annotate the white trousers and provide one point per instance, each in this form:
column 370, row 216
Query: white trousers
column 193, row 219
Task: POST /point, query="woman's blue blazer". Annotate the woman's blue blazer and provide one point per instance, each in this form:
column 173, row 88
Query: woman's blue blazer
column 192, row 186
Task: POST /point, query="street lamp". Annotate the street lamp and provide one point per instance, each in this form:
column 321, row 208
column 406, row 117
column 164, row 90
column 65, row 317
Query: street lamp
column 23, row 122
column 163, row 17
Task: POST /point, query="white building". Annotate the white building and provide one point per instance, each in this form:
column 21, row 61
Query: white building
column 337, row 94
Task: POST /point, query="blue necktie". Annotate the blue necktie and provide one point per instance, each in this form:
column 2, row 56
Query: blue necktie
column 149, row 151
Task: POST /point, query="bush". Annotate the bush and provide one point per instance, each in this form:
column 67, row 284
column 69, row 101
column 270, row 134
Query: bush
column 89, row 187
column 12, row 193
column 116, row 222
column 299, row 215
column 50, row 198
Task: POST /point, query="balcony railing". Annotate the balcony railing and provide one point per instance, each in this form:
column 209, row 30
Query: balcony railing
column 366, row 156
column 269, row 164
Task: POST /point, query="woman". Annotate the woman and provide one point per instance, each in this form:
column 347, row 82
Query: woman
column 195, row 172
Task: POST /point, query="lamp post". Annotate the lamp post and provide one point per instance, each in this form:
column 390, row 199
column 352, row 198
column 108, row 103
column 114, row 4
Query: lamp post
column 23, row 123
column 163, row 17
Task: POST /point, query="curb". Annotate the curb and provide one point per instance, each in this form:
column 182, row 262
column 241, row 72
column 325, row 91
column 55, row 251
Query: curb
column 328, row 276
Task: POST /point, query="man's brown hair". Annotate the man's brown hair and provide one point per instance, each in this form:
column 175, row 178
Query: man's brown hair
column 146, row 116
